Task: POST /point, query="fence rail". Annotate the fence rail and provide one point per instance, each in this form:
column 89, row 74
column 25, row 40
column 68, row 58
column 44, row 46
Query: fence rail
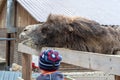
column 6, row 39
column 106, row 63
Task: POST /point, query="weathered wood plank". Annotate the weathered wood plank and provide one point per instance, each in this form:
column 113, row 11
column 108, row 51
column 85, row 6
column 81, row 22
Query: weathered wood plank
column 3, row 43
column 12, row 48
column 2, row 60
column 106, row 63
column 2, row 4
column 117, row 77
column 95, row 61
column 2, row 63
column 26, row 66
column 25, row 49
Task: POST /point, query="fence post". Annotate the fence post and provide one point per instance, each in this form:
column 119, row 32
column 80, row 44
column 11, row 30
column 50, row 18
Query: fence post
column 117, row 77
column 26, row 66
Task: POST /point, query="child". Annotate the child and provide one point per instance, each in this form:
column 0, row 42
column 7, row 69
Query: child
column 49, row 62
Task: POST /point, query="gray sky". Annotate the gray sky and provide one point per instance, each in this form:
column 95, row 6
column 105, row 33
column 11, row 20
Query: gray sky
column 103, row 11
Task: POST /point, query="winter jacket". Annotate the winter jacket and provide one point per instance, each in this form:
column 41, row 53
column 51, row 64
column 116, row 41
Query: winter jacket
column 53, row 76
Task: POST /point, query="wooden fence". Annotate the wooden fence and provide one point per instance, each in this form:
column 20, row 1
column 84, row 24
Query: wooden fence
column 95, row 61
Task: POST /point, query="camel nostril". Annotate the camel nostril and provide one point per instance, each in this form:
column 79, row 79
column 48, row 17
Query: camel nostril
column 25, row 30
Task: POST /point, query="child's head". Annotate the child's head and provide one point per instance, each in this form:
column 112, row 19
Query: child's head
column 49, row 60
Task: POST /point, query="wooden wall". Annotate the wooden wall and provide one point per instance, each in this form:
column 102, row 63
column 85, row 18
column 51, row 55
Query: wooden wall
column 23, row 18
column 2, row 28
column 3, row 17
column 2, row 43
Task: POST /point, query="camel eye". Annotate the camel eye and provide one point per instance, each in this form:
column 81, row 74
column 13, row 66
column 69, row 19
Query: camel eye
column 44, row 30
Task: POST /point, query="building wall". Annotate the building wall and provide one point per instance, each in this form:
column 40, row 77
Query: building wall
column 2, row 29
column 3, row 17
column 2, row 43
column 23, row 18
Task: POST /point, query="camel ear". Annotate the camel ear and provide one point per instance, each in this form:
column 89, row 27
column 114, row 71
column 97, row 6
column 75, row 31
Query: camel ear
column 51, row 18
column 70, row 28
column 61, row 19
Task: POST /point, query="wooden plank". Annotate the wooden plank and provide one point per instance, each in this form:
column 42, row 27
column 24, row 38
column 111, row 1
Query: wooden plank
column 117, row 77
column 3, row 13
column 2, row 60
column 26, row 66
column 12, row 48
column 2, row 43
column 2, row 63
column 2, row 4
column 107, row 63
column 25, row 49
column 23, row 18
column 8, row 50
